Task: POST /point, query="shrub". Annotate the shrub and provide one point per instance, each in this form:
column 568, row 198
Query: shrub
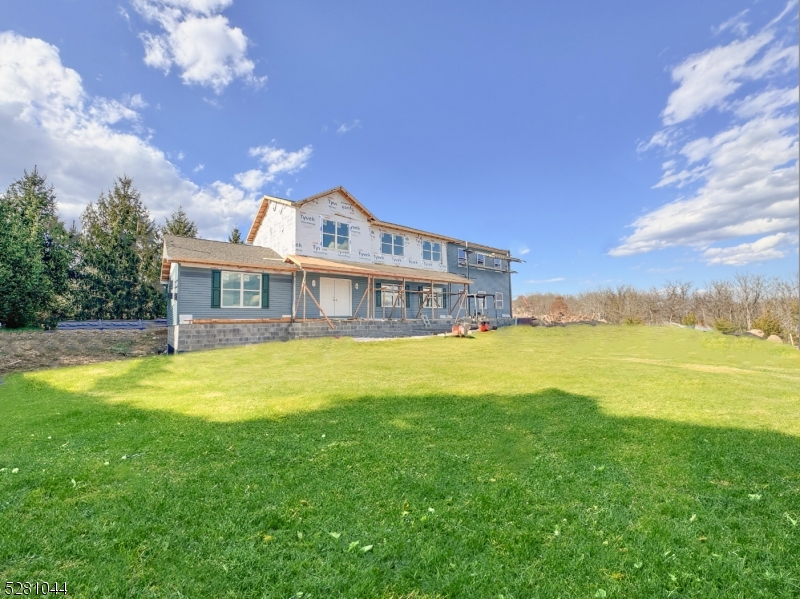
column 633, row 320
column 768, row 323
column 724, row 326
column 689, row 320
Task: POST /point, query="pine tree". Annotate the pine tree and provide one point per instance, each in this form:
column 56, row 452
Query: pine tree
column 34, row 255
column 179, row 224
column 120, row 257
column 235, row 236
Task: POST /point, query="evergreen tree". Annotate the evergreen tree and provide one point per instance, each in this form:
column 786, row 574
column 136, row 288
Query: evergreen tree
column 179, row 224
column 34, row 255
column 120, row 257
column 235, row 236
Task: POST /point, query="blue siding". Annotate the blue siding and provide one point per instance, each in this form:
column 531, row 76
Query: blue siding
column 194, row 296
column 487, row 279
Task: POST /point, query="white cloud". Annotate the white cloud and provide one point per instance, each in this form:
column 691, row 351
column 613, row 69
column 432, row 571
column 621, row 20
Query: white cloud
column 198, row 168
column 345, row 127
column 743, row 179
column 766, row 248
column 197, row 40
column 541, row 281
column 81, row 144
column 277, row 161
column 524, row 250
column 736, row 23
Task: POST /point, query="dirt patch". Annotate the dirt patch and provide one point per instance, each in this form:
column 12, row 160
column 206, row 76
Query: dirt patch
column 35, row 350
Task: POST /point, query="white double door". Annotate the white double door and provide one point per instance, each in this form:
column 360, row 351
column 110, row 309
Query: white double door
column 336, row 297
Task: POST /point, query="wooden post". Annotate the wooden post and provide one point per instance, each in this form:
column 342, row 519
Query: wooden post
column 403, row 290
column 304, row 295
column 433, row 302
column 394, row 303
column 422, row 296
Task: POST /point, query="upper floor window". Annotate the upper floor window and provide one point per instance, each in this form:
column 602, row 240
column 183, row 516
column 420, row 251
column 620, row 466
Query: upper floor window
column 462, row 257
column 392, row 244
column 480, row 259
column 432, row 251
column 335, row 235
column 498, row 263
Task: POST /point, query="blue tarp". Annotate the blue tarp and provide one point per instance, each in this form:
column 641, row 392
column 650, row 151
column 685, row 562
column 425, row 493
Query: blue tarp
column 114, row 325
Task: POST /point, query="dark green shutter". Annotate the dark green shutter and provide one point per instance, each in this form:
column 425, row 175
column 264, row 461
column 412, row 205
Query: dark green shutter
column 265, row 291
column 444, row 298
column 408, row 295
column 216, row 291
column 378, row 295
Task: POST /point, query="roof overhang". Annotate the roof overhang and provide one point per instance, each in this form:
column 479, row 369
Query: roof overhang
column 384, row 271
column 270, row 266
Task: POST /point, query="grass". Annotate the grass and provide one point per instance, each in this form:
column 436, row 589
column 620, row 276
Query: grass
column 578, row 462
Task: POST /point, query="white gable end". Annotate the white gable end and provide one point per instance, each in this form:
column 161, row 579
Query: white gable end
column 364, row 238
column 277, row 230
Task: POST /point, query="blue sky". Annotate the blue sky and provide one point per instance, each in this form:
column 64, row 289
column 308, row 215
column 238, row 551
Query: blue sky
column 603, row 143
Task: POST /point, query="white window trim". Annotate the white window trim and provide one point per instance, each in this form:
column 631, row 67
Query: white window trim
column 390, row 290
column 480, row 258
column 498, row 262
column 465, row 260
column 432, row 242
column 393, row 235
column 336, row 224
column 498, row 300
column 430, row 298
column 241, row 289
column 480, row 302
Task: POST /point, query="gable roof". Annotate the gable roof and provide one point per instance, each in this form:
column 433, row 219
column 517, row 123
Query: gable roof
column 373, row 220
column 261, row 213
column 265, row 202
column 204, row 252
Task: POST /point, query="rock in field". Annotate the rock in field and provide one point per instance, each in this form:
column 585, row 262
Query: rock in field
column 756, row 332
column 774, row 339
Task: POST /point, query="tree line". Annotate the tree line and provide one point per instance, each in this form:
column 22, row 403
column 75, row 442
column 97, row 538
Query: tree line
column 748, row 301
column 108, row 269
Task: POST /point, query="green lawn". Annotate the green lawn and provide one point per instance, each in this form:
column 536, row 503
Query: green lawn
column 577, row 462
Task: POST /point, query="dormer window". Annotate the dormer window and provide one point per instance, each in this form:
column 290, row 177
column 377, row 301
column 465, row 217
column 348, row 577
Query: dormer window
column 336, row 235
column 392, row 245
column 432, row 251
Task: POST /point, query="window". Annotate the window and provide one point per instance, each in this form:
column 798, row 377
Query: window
column 336, row 235
column 462, row 257
column 433, row 300
column 498, row 263
column 480, row 259
column 498, row 301
column 432, row 251
column 392, row 244
column 389, row 296
column 241, row 290
column 480, row 301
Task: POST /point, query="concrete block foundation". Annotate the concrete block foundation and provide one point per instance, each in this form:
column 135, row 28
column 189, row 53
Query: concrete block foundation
column 195, row 337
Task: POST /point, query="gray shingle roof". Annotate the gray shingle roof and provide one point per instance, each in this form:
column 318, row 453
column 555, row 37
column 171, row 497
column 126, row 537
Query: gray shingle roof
column 204, row 251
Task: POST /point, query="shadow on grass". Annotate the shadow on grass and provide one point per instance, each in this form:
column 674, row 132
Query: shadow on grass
column 538, row 495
